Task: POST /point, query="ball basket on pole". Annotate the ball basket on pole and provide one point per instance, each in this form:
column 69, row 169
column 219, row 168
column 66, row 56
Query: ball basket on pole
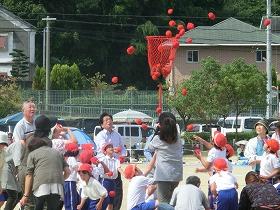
column 161, row 55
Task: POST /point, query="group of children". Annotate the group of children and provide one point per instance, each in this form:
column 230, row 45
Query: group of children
column 222, row 183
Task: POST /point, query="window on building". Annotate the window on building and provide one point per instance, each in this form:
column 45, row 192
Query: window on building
column 192, row 56
column 260, row 55
column 3, row 42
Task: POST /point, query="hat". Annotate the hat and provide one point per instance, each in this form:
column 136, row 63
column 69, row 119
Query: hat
column 88, row 146
column 71, row 147
column 277, row 124
column 129, row 171
column 85, row 167
column 43, row 123
column 85, row 156
column 263, row 123
column 229, row 150
column 273, row 145
column 3, row 138
column 220, row 164
column 105, row 146
column 219, row 139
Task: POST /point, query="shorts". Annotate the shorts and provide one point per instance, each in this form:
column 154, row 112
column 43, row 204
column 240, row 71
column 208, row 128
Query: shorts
column 150, row 205
column 3, row 196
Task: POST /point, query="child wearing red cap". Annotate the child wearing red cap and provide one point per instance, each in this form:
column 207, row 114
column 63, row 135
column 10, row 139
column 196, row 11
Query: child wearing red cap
column 92, row 190
column 137, row 189
column 223, row 185
column 71, row 197
column 108, row 179
column 218, row 150
column 269, row 163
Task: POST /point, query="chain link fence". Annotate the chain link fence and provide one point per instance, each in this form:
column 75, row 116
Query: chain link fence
column 90, row 104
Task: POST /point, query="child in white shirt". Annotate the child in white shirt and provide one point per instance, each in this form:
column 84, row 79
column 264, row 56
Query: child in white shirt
column 223, row 185
column 108, row 179
column 91, row 190
column 270, row 165
column 137, row 188
column 70, row 184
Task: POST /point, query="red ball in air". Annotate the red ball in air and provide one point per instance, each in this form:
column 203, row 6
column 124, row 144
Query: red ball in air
column 130, row 50
column 121, row 159
column 190, row 26
column 112, row 194
column 189, row 40
column 172, row 23
column 182, row 32
column 189, row 127
column 180, row 26
column 168, row 33
column 115, row 80
column 144, row 126
column 138, row 121
column 170, row 11
column 211, row 16
column 184, row 91
column 266, row 22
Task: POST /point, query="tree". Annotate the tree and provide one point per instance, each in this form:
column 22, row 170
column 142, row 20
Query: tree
column 64, row 77
column 10, row 99
column 39, row 79
column 20, row 64
column 244, row 86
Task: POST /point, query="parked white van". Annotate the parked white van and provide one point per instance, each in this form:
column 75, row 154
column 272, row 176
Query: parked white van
column 131, row 134
column 243, row 124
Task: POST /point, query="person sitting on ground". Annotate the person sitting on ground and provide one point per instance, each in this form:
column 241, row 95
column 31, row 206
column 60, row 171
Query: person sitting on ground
column 189, row 196
column 257, row 195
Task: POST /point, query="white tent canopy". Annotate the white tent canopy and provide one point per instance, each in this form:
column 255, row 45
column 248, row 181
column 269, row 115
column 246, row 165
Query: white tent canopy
column 129, row 116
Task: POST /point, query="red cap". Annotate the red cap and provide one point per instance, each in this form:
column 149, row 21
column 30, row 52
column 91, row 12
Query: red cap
column 71, row 147
column 273, row 145
column 105, row 146
column 87, row 147
column 219, row 139
column 129, row 171
column 85, row 156
column 230, row 150
column 85, row 167
column 220, row 164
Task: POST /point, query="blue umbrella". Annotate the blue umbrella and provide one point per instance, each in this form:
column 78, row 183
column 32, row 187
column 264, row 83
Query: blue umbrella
column 82, row 137
column 11, row 119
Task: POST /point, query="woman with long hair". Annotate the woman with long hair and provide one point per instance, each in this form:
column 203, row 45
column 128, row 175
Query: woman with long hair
column 169, row 157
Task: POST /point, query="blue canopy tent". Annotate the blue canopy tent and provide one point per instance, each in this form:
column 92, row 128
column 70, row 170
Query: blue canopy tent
column 11, row 119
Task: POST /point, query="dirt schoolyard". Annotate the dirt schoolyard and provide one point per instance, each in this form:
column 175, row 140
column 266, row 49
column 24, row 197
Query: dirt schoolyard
column 191, row 163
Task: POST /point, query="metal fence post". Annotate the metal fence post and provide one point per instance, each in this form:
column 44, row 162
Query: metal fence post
column 70, row 96
column 131, row 100
column 101, row 101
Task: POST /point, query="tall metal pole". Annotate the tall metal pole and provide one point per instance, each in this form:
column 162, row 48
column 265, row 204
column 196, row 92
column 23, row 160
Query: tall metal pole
column 44, row 48
column 47, row 19
column 268, row 62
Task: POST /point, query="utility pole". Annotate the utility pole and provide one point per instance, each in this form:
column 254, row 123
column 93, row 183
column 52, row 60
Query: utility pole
column 268, row 62
column 44, row 48
column 47, row 51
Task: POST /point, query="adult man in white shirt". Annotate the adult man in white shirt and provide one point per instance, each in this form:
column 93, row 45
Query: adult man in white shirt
column 23, row 128
column 110, row 136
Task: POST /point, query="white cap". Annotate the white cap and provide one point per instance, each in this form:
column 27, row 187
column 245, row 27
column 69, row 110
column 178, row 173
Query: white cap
column 3, row 138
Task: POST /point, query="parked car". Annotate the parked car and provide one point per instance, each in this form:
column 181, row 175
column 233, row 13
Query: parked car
column 131, row 134
column 244, row 124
